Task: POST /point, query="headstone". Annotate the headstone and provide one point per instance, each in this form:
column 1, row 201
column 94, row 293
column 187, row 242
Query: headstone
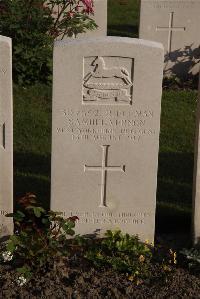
column 196, row 177
column 100, row 17
column 106, row 118
column 175, row 24
column 6, row 136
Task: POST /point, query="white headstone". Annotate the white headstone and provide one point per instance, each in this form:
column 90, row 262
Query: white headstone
column 106, row 118
column 100, row 17
column 6, row 136
column 175, row 24
column 196, row 177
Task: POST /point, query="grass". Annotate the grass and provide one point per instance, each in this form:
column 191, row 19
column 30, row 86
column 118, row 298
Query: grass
column 176, row 147
column 175, row 173
column 32, row 141
column 123, row 17
column 32, row 136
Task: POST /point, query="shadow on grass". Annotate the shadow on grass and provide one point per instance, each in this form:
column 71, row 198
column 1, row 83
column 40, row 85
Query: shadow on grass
column 123, row 30
column 170, row 219
column 175, row 174
column 32, row 174
column 174, row 192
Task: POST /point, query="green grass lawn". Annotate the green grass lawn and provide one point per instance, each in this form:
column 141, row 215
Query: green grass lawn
column 32, row 136
column 123, row 17
column 32, row 141
column 175, row 173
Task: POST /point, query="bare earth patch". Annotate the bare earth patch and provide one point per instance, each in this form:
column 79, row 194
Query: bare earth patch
column 77, row 279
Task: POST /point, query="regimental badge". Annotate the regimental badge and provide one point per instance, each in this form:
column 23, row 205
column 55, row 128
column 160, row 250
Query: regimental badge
column 107, row 85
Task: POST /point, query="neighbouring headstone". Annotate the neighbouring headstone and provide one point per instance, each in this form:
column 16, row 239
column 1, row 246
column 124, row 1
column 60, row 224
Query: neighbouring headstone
column 6, row 136
column 106, row 118
column 100, row 17
column 196, row 177
column 175, row 24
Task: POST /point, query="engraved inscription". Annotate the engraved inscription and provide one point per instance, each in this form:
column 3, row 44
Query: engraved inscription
column 107, row 84
column 173, row 4
column 3, row 71
column 2, row 135
column 170, row 30
column 104, row 168
column 3, row 213
column 125, row 218
column 107, row 125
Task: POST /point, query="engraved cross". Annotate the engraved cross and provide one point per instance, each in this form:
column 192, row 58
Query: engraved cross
column 104, row 168
column 170, row 29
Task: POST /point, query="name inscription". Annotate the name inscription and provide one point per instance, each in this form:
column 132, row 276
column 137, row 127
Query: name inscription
column 107, row 125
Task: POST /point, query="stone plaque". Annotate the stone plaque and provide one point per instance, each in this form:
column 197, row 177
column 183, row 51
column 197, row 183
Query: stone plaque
column 196, row 177
column 6, row 136
column 175, row 24
column 106, row 118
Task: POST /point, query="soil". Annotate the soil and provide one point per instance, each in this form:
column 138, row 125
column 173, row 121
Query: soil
column 77, row 279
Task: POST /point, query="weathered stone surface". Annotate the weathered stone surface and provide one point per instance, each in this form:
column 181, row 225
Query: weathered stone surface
column 106, row 118
column 196, row 177
column 100, row 17
column 175, row 24
column 6, row 136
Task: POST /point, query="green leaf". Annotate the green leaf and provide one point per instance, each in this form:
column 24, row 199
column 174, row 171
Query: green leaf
column 9, row 215
column 38, row 211
column 15, row 239
column 18, row 216
column 25, row 270
column 45, row 220
column 71, row 232
column 11, row 247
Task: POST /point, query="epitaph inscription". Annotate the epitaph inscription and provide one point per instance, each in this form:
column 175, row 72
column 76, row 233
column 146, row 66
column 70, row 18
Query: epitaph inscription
column 107, row 217
column 108, row 80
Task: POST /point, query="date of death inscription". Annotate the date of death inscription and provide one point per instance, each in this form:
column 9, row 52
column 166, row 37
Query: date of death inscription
column 106, row 125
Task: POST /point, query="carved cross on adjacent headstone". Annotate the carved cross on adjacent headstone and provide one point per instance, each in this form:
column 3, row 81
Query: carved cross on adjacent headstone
column 170, row 29
column 104, row 168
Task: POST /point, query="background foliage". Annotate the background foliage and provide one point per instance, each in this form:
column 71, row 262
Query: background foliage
column 33, row 26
